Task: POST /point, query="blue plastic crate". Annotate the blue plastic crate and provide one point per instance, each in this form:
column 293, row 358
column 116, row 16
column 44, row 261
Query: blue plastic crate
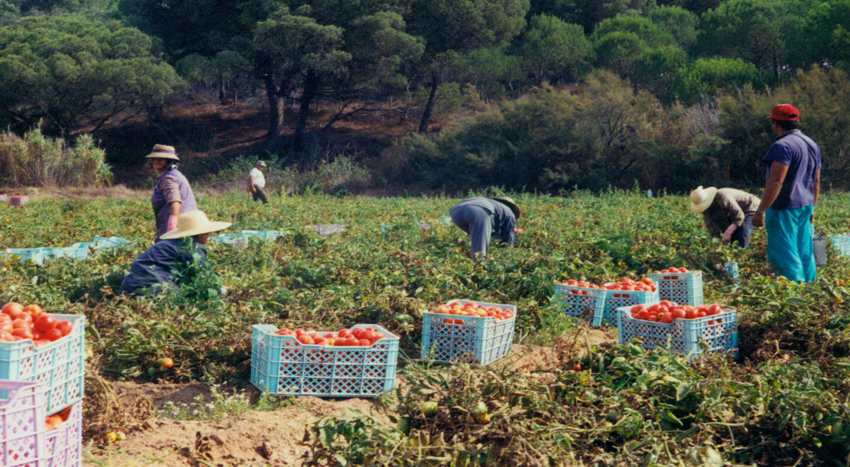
column 730, row 270
column 584, row 303
column 326, row 229
column 684, row 288
column 615, row 299
column 262, row 234
column 467, row 339
column 841, row 243
column 111, row 242
column 282, row 365
column 22, row 428
column 718, row 333
column 36, row 255
column 58, row 365
column 70, row 252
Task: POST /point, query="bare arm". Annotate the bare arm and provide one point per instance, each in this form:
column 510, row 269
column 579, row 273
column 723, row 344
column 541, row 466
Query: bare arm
column 175, row 208
column 251, row 187
column 778, row 171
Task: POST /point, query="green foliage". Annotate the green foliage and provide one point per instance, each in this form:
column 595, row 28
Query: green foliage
column 821, row 35
column 38, row 160
column 678, row 22
column 707, row 77
column 589, row 13
column 70, row 70
column 553, row 50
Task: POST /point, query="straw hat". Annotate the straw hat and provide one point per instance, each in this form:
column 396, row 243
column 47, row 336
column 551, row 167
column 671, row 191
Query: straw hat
column 701, row 198
column 161, row 151
column 509, row 202
column 193, row 223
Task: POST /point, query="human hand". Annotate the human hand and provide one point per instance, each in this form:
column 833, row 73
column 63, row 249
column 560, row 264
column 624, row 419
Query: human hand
column 758, row 220
column 727, row 237
column 172, row 223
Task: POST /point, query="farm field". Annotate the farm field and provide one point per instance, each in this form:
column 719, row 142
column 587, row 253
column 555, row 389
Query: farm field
column 783, row 402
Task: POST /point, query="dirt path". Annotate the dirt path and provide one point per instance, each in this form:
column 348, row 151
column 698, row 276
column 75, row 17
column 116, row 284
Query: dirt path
column 255, row 438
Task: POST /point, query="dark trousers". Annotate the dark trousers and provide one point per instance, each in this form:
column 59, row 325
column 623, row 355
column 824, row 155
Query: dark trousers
column 742, row 233
column 259, row 195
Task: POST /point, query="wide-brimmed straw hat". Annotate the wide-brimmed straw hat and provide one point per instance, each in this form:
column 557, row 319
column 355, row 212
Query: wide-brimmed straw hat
column 162, row 151
column 194, row 223
column 509, row 202
column 701, row 198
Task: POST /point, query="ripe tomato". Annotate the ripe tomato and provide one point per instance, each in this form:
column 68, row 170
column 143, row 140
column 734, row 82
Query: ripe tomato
column 23, row 333
column 577, row 368
column 714, row 310
column 65, row 327
column 679, row 313
column 12, row 309
column 33, row 310
column 21, row 324
column 52, row 335
column 364, row 343
column 701, row 314
column 166, row 362
column 45, row 323
column 691, row 314
column 65, row 413
column 24, row 316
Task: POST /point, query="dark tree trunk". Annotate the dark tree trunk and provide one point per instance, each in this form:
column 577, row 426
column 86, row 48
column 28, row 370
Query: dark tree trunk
column 311, row 89
column 429, row 107
column 276, row 113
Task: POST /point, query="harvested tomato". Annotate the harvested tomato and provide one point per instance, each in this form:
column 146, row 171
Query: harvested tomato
column 45, row 323
column 65, row 327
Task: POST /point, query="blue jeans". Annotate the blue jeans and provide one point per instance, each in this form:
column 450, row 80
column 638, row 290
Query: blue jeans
column 790, row 247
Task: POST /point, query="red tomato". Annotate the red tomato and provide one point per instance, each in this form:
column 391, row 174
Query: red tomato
column 714, row 310
column 45, row 323
column 5, row 336
column 577, row 368
column 305, row 339
column 691, row 314
column 679, row 313
column 36, row 336
column 364, row 342
column 33, row 310
column 22, row 333
column 21, row 324
column 666, row 317
column 52, row 335
column 12, row 309
column 65, row 327
column 4, row 318
column 701, row 314
column 643, row 315
column 24, row 316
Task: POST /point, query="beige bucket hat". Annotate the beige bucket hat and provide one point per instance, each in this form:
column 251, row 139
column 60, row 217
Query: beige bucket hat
column 194, row 223
column 701, row 198
column 162, row 151
column 509, row 202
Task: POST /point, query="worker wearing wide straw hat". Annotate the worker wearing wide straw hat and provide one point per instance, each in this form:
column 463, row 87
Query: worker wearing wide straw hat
column 153, row 271
column 172, row 194
column 787, row 207
column 727, row 213
column 482, row 217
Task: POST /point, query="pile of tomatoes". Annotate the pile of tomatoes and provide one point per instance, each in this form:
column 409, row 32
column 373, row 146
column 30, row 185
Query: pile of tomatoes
column 666, row 312
column 472, row 309
column 672, row 271
column 54, row 421
column 644, row 285
column 18, row 322
column 357, row 337
column 575, row 283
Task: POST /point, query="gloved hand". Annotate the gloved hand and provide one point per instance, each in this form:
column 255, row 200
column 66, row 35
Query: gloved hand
column 172, row 223
column 727, row 236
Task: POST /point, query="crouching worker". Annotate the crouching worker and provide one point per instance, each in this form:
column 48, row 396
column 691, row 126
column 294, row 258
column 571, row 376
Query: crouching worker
column 483, row 217
column 727, row 213
column 154, row 269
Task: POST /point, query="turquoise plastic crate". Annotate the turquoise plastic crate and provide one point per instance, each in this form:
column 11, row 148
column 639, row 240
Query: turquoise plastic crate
column 64, row 445
column 111, row 242
column 36, row 255
column 615, row 299
column 583, row 303
column 262, row 234
column 841, row 243
column 730, row 270
column 719, row 333
column 22, row 430
column 326, row 229
column 70, row 252
column 282, row 365
column 467, row 339
column 684, row 288
column 58, row 365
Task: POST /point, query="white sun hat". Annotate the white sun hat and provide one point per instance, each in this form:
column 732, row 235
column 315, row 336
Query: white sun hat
column 194, row 223
column 701, row 198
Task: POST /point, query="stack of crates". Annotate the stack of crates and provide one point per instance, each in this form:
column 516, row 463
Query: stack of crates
column 683, row 288
column 584, row 303
column 53, row 373
column 615, row 299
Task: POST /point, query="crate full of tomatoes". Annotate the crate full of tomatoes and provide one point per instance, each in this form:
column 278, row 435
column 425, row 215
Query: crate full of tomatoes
column 63, row 440
column 692, row 330
column 468, row 331
column 627, row 292
column 581, row 299
column 45, row 348
column 356, row 362
column 679, row 285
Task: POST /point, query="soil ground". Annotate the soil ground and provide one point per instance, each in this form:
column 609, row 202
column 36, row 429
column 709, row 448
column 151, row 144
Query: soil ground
column 257, row 438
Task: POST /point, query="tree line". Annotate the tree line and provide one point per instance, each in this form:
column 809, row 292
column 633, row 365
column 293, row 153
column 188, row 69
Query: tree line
column 78, row 64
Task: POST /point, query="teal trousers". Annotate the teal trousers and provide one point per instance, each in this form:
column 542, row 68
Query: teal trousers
column 790, row 247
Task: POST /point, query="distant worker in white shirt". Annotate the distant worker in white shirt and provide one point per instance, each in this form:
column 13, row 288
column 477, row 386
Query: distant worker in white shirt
column 256, row 182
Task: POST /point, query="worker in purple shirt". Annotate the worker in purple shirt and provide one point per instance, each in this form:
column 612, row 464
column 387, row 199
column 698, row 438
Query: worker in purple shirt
column 172, row 194
column 482, row 217
column 787, row 207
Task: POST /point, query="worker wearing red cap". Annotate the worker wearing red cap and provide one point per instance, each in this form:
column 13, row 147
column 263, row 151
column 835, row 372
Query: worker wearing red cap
column 787, row 207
